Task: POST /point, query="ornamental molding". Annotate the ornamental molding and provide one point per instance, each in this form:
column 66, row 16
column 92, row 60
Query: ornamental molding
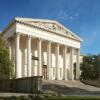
column 49, row 25
column 44, row 25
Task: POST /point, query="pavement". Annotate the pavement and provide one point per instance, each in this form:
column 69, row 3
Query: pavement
column 70, row 88
column 9, row 94
column 66, row 88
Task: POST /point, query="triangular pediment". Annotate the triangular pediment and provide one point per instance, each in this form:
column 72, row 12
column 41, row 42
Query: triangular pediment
column 50, row 25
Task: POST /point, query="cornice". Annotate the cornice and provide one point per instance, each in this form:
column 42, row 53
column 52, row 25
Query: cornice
column 33, row 26
column 8, row 26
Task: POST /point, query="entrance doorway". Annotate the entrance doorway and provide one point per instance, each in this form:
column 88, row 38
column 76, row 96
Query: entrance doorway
column 44, row 70
column 74, row 71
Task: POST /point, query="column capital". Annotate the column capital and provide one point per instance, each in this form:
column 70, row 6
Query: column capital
column 71, row 47
column 78, row 49
column 65, row 46
column 57, row 44
column 29, row 36
column 40, row 39
column 49, row 42
column 17, row 34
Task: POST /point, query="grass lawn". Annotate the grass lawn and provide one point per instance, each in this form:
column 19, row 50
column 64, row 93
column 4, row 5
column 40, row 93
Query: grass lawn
column 50, row 98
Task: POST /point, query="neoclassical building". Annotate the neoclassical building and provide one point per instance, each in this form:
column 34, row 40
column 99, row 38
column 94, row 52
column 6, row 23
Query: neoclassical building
column 43, row 48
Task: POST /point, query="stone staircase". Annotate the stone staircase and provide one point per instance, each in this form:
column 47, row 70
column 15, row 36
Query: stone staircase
column 69, row 87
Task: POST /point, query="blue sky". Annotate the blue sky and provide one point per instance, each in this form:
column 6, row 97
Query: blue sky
column 80, row 16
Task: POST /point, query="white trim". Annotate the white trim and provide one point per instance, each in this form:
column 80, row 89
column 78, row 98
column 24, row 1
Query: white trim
column 46, row 35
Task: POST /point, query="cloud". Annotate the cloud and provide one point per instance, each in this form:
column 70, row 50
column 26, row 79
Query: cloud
column 67, row 15
column 71, row 11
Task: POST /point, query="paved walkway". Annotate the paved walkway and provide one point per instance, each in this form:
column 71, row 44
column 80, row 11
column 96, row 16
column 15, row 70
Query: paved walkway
column 6, row 94
column 70, row 87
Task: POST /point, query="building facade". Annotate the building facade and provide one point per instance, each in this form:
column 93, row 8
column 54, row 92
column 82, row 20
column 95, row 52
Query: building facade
column 43, row 48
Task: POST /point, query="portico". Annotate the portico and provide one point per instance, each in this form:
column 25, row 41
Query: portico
column 43, row 48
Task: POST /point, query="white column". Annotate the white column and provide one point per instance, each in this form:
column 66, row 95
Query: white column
column 17, row 67
column 64, row 63
column 57, row 61
column 49, row 60
column 29, row 56
column 78, row 64
column 71, row 63
column 40, row 58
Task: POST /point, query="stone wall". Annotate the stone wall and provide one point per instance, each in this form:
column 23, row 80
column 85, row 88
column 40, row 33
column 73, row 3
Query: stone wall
column 23, row 85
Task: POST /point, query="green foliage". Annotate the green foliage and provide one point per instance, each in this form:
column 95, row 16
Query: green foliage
column 90, row 67
column 6, row 66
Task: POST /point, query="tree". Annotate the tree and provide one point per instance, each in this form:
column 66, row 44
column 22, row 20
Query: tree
column 6, row 66
column 90, row 67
